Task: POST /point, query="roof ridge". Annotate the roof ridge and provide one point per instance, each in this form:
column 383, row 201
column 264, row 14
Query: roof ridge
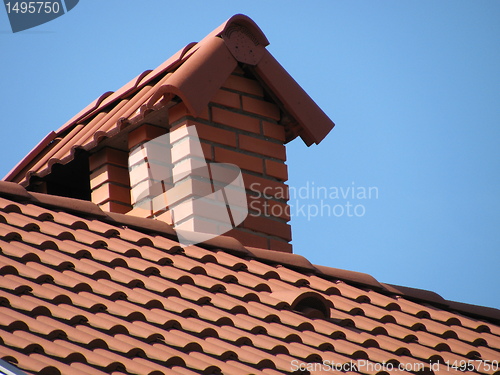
column 18, row 192
column 415, row 293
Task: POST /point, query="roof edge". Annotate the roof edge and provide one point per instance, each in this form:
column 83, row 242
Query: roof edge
column 141, row 223
column 289, row 259
column 84, row 112
column 31, row 155
column 135, row 84
column 417, row 294
column 227, row 243
column 351, row 276
column 14, row 189
column 476, row 310
column 70, row 204
column 315, row 123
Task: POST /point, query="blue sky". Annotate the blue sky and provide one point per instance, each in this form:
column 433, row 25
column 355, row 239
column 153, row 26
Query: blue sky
column 413, row 87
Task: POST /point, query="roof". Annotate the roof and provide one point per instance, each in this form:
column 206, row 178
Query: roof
column 192, row 75
column 83, row 291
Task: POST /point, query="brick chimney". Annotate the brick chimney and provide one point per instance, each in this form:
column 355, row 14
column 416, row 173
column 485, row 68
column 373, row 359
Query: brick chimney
column 239, row 126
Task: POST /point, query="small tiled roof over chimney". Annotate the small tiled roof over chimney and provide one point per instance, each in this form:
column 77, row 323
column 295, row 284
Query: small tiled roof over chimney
column 245, row 108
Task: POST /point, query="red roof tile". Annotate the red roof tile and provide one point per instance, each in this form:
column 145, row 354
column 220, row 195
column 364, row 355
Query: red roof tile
column 87, row 292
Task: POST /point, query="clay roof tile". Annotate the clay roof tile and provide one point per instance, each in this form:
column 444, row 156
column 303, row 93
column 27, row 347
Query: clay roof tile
column 104, row 300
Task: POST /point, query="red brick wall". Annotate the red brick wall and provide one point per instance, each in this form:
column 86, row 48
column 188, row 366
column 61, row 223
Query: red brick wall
column 240, row 126
column 109, row 180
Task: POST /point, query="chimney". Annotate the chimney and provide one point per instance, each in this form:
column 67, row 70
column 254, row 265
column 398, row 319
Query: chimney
column 244, row 108
column 240, row 126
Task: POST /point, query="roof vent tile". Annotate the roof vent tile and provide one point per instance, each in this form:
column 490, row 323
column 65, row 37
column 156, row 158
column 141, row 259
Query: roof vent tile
column 311, row 304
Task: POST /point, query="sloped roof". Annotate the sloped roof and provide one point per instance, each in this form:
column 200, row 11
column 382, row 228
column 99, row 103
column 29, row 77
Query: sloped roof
column 193, row 74
column 88, row 292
